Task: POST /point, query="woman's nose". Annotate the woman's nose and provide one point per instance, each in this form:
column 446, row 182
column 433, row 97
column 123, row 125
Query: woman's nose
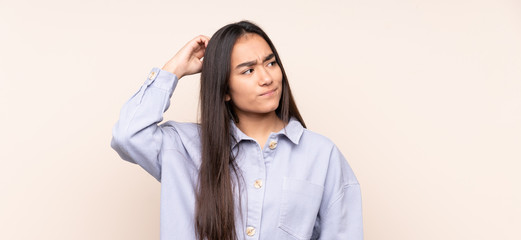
column 264, row 77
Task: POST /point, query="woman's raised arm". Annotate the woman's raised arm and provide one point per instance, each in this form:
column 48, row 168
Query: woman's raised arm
column 136, row 136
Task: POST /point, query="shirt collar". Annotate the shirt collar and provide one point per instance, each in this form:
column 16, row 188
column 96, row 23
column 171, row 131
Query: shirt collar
column 293, row 131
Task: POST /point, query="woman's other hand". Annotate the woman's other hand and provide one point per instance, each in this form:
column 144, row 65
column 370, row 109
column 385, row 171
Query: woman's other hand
column 188, row 60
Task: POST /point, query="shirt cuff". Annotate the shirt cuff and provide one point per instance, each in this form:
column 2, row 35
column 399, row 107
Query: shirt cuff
column 161, row 79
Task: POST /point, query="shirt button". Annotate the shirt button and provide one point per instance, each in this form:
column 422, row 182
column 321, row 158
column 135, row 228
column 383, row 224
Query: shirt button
column 258, row 183
column 273, row 145
column 250, row 231
column 151, row 76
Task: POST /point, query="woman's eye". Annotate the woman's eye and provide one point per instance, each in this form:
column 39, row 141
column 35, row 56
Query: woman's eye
column 248, row 71
column 273, row 63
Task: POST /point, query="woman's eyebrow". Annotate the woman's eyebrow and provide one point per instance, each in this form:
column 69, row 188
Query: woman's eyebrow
column 251, row 63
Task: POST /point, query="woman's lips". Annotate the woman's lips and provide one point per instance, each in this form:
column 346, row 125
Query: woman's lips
column 269, row 93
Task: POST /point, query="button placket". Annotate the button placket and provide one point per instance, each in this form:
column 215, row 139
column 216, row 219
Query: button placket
column 270, row 149
column 255, row 192
column 258, row 183
column 250, row 231
column 273, row 144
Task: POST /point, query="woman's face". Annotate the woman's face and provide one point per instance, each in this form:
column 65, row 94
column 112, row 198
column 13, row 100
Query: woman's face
column 255, row 83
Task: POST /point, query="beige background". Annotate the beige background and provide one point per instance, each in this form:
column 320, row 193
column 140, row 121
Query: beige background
column 423, row 98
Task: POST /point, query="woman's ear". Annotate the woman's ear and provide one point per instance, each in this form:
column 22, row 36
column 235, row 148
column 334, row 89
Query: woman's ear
column 227, row 97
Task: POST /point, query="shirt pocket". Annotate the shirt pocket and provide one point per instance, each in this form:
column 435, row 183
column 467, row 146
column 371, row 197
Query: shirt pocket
column 299, row 207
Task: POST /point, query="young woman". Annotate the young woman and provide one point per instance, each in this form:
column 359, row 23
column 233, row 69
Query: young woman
column 250, row 169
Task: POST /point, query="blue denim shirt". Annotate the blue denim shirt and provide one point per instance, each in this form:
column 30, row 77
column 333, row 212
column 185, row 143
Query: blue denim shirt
column 297, row 186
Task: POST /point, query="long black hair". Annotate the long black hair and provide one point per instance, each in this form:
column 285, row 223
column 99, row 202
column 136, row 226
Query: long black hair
column 215, row 211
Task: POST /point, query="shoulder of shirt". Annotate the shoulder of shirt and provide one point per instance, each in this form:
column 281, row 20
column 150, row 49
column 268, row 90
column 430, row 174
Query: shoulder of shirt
column 337, row 159
column 317, row 139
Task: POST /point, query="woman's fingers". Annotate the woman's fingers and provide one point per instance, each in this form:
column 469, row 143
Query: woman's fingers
column 200, row 41
column 198, row 45
column 188, row 60
column 203, row 39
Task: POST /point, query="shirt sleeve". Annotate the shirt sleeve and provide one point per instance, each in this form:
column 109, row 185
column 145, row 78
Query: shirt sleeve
column 136, row 136
column 342, row 218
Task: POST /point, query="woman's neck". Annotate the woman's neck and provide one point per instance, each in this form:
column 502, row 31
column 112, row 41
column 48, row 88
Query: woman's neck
column 259, row 126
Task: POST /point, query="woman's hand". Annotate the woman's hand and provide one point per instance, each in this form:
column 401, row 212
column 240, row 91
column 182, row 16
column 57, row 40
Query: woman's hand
column 188, row 60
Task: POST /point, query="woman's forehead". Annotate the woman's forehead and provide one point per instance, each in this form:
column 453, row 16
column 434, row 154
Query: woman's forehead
column 250, row 47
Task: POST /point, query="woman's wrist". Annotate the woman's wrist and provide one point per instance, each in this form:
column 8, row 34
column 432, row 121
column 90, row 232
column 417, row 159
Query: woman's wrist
column 173, row 69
